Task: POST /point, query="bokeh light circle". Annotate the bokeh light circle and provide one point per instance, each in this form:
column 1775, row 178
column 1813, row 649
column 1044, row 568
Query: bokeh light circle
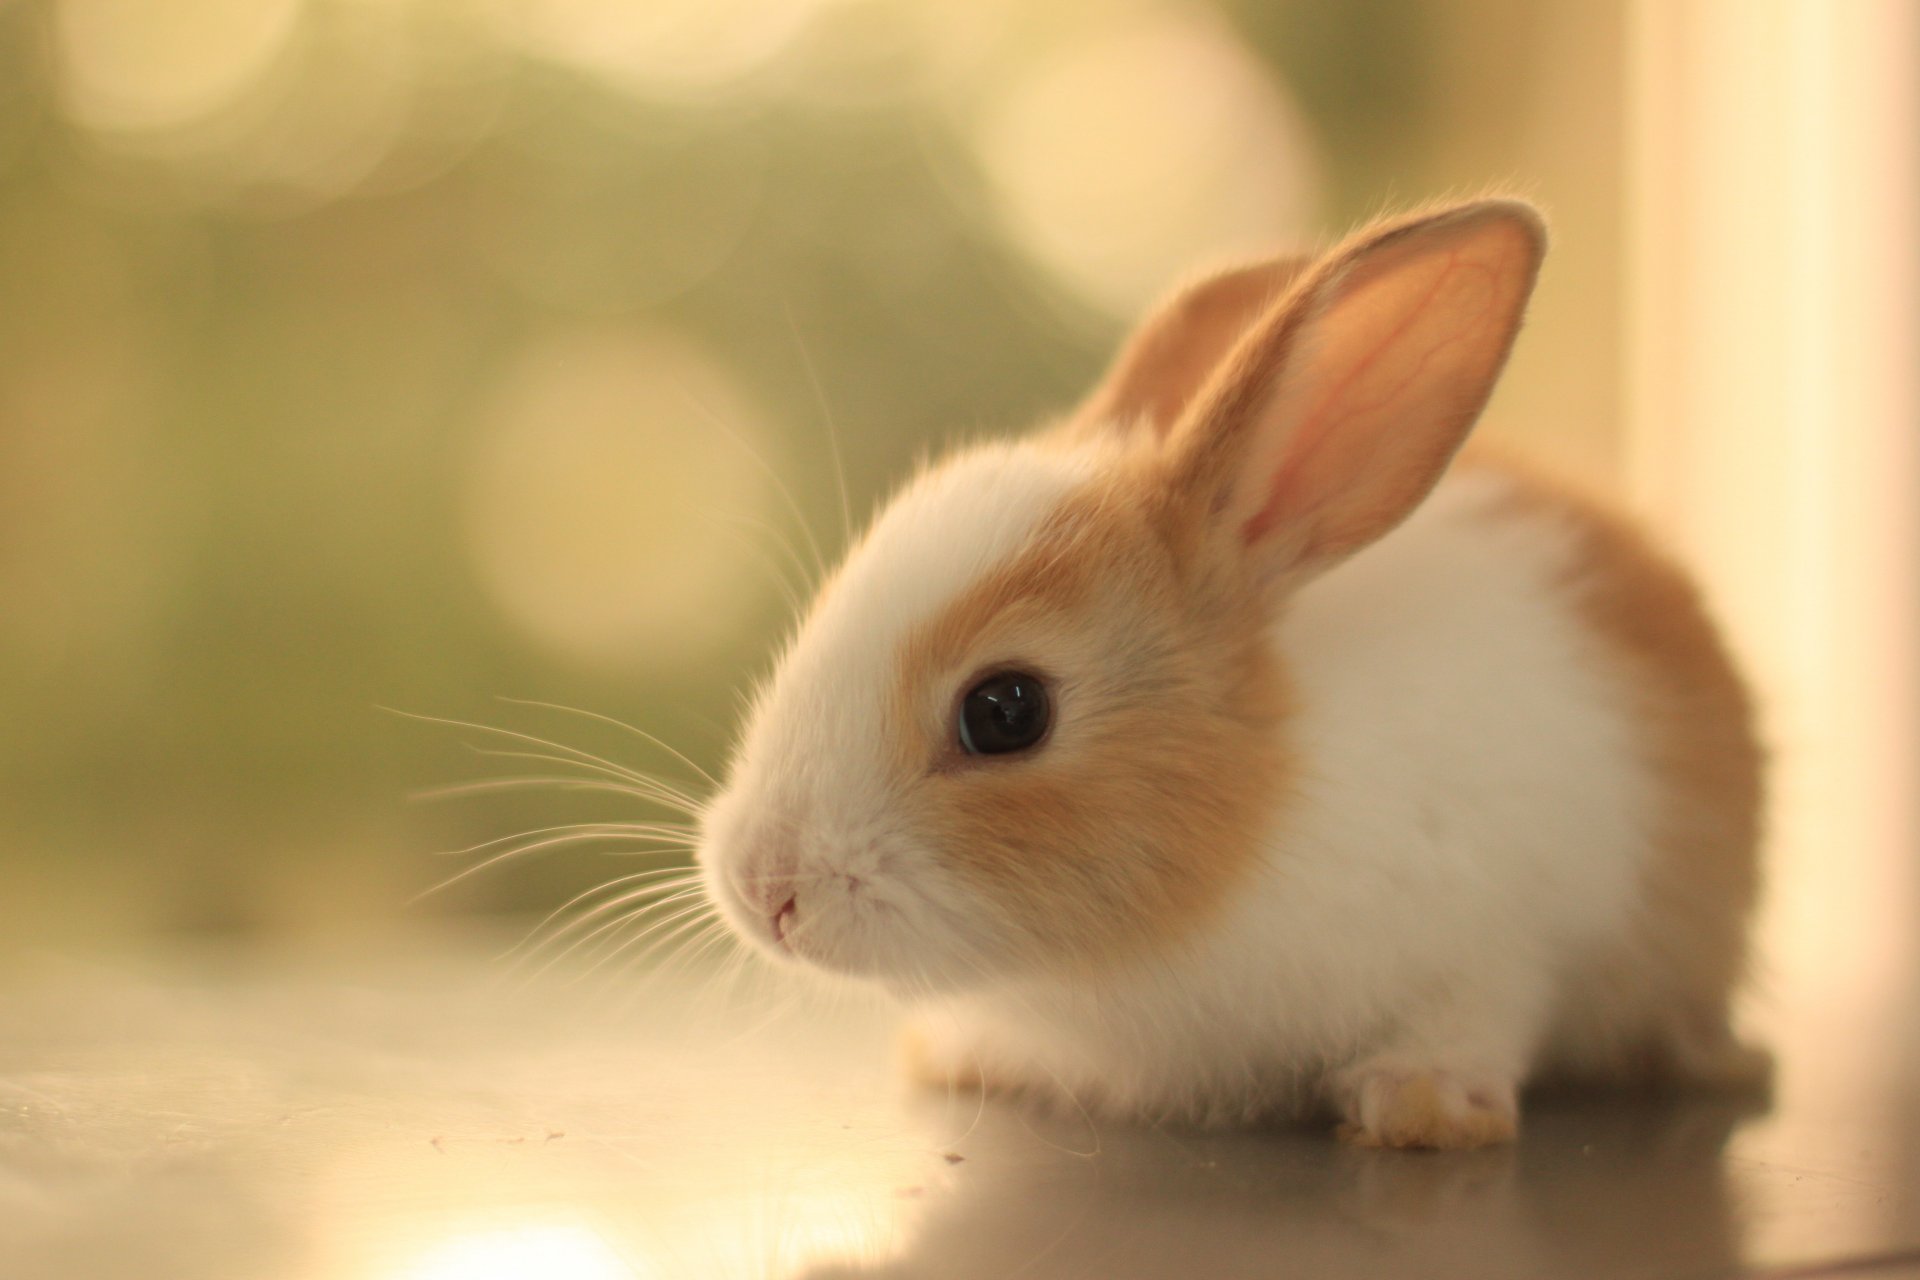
column 1120, row 160
column 138, row 65
column 609, row 482
column 664, row 48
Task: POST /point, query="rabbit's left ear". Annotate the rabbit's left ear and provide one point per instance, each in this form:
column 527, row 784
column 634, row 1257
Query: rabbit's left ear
column 1340, row 408
column 1180, row 344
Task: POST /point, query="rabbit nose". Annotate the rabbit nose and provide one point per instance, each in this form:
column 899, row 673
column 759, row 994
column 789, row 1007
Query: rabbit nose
column 765, row 877
column 783, row 919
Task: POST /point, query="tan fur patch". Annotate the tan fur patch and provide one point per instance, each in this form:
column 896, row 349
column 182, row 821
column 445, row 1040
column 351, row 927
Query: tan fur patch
column 1666, row 991
column 1180, row 345
column 921, row 1064
column 1149, row 799
column 1340, row 351
column 1415, row 1111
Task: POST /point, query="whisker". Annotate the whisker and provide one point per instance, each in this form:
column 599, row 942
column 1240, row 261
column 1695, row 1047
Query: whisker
column 681, row 878
column 559, row 783
column 569, row 782
column 1086, row 1117
column 580, row 758
column 551, row 842
column 741, row 968
column 637, row 732
column 662, row 959
column 648, row 904
column 826, row 413
column 802, row 579
column 786, row 494
column 673, row 955
column 649, row 898
column 717, row 937
column 646, row 785
column 701, row 931
column 698, row 910
column 607, row 828
column 772, row 566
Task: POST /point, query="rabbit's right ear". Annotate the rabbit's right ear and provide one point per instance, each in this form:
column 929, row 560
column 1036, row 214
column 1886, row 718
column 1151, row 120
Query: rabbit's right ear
column 1339, row 409
column 1179, row 345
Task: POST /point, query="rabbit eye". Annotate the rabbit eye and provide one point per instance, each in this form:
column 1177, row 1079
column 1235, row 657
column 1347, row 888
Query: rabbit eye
column 1004, row 712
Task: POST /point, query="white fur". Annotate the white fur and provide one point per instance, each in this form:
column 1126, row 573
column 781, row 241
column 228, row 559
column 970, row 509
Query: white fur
column 807, row 813
column 1468, row 826
column 1470, row 814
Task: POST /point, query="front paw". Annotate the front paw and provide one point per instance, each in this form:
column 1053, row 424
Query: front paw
column 935, row 1059
column 1426, row 1108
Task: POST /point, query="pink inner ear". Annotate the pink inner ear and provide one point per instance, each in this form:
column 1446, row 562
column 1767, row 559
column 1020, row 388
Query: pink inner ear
column 1392, row 362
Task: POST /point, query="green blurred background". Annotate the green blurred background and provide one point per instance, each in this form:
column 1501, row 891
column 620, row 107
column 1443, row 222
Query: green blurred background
column 407, row 353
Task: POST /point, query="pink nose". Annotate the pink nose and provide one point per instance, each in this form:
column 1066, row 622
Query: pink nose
column 783, row 920
column 766, row 878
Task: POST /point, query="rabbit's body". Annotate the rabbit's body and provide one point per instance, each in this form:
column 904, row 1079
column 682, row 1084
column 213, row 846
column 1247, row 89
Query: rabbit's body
column 1200, row 758
column 1478, row 815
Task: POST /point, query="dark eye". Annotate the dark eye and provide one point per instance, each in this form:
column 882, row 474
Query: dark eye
column 1005, row 712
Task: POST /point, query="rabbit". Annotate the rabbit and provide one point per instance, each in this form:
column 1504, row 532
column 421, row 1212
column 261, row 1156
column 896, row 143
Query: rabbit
column 1222, row 754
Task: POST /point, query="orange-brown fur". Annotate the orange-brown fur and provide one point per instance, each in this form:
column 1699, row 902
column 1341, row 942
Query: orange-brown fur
column 1217, row 446
column 1167, row 361
column 1696, row 731
column 1416, row 1114
column 1230, row 474
column 1192, row 827
column 1151, row 528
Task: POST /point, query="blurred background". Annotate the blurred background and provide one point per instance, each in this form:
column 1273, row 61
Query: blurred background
column 362, row 354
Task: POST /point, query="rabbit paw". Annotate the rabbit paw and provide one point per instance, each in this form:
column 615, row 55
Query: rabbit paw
column 936, row 1060
column 1433, row 1109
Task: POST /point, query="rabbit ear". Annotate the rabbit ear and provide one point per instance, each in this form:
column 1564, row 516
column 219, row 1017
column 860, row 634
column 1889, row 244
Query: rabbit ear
column 1183, row 340
column 1340, row 408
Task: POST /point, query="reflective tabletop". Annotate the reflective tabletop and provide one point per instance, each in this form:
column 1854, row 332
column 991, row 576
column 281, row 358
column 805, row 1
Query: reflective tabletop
column 412, row 1117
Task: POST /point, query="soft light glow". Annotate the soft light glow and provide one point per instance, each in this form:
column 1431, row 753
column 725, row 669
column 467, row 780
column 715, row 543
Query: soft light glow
column 549, row 1251
column 137, row 65
column 1130, row 154
column 1775, row 396
column 335, row 122
column 665, row 47
column 606, row 498
column 797, row 1233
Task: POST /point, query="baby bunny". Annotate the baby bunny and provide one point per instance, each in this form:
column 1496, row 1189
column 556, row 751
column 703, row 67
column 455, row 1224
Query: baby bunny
column 1208, row 756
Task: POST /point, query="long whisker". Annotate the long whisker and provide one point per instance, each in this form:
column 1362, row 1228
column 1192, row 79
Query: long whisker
column 673, row 955
column 698, row 909
column 666, row 790
column 671, row 948
column 699, row 932
column 826, row 414
column 551, row 842
column 604, row 828
column 667, row 878
column 786, row 494
column 650, row 903
column 1086, row 1117
column 792, row 558
column 560, row 783
column 740, row 968
column 615, row 772
column 623, row 910
column 581, row 758
column 637, row 732
column 717, row 937
column 772, row 567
